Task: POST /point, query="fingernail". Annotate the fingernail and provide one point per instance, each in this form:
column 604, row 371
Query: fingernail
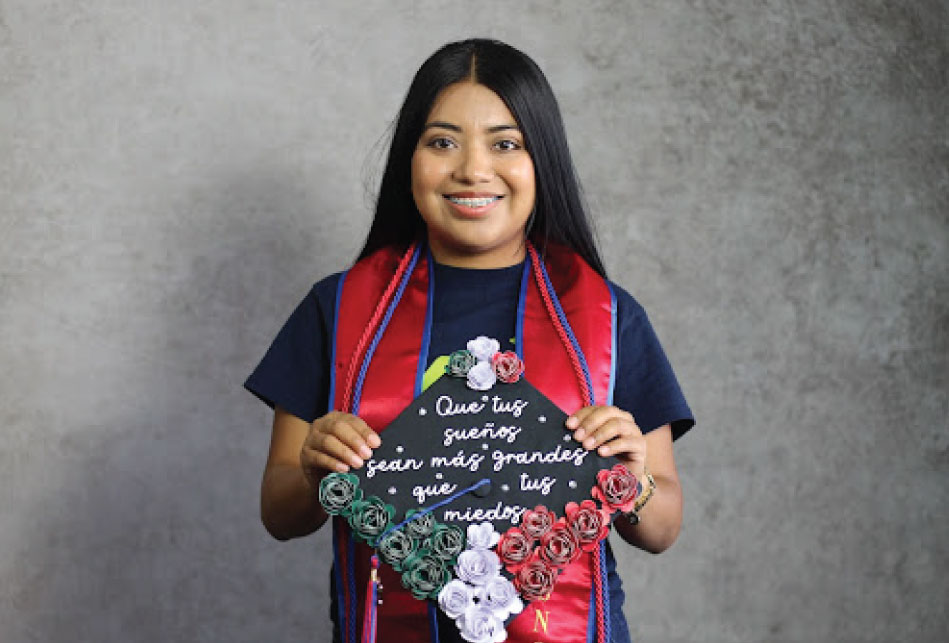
column 589, row 442
column 578, row 435
column 604, row 451
column 571, row 422
column 365, row 453
column 356, row 462
column 341, row 467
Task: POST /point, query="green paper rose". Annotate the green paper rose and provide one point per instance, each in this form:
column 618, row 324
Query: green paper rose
column 337, row 493
column 446, row 542
column 396, row 548
column 424, row 574
column 422, row 526
column 459, row 363
column 369, row 518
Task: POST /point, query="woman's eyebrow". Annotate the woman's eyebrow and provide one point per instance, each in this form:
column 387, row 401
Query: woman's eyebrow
column 442, row 125
column 455, row 128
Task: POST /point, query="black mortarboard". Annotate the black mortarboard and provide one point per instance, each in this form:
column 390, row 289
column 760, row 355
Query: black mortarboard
column 457, row 458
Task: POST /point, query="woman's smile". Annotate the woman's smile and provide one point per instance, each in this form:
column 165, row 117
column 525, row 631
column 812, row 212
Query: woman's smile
column 468, row 204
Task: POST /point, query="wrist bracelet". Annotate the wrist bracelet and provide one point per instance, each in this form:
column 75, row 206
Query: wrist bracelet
column 647, row 493
column 641, row 500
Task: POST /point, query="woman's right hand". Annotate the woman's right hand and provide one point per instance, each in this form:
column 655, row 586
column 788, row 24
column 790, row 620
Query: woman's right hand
column 336, row 442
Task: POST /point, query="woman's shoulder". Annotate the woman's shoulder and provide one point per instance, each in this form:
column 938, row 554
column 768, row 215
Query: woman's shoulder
column 322, row 294
column 328, row 284
column 314, row 313
column 628, row 309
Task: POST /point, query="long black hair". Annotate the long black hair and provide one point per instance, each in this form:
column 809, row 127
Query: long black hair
column 559, row 215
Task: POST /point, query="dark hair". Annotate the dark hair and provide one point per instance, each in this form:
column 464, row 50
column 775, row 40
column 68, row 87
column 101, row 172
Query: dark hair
column 559, row 215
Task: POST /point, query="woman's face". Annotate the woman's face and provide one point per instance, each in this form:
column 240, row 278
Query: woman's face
column 473, row 180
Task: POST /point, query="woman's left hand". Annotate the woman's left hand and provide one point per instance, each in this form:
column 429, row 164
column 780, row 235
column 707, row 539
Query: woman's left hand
column 612, row 432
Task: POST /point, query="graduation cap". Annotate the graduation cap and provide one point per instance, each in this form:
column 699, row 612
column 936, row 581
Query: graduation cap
column 478, row 494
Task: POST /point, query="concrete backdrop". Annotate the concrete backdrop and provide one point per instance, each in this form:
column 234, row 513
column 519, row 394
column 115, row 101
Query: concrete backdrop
column 769, row 178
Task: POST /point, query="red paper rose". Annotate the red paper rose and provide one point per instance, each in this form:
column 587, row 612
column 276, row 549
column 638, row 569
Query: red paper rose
column 560, row 545
column 535, row 579
column 537, row 521
column 590, row 523
column 616, row 488
column 515, row 548
column 508, row 366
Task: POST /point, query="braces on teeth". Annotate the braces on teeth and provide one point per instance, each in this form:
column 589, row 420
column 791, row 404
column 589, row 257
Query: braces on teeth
column 473, row 203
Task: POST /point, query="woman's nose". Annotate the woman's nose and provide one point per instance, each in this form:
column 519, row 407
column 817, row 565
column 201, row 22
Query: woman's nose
column 474, row 166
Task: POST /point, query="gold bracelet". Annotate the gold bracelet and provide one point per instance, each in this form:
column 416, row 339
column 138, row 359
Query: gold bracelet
column 644, row 496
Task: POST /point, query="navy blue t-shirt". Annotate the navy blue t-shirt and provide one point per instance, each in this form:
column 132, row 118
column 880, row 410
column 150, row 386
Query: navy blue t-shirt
column 295, row 372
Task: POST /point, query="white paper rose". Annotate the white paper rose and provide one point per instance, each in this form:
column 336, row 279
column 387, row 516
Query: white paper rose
column 455, row 598
column 482, row 377
column 480, row 625
column 482, row 536
column 483, row 348
column 500, row 596
column 477, row 566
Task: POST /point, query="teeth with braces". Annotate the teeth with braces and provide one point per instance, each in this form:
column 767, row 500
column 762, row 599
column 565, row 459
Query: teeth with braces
column 473, row 203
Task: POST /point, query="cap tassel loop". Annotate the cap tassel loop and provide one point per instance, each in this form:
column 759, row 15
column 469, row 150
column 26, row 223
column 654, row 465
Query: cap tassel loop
column 373, row 600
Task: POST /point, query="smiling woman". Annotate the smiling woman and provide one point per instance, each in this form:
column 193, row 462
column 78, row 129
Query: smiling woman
column 479, row 230
column 473, row 180
column 523, row 120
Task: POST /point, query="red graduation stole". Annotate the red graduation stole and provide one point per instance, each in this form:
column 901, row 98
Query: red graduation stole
column 379, row 356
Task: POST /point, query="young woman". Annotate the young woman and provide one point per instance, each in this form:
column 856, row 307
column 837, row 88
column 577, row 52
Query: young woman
column 478, row 230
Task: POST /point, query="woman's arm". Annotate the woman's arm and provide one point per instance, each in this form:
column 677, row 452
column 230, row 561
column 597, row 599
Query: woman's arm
column 613, row 431
column 288, row 503
column 300, row 455
column 661, row 518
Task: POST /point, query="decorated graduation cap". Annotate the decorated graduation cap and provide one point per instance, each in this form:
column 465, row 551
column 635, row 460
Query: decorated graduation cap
column 479, row 496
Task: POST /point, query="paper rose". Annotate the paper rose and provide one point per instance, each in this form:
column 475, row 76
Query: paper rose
column 616, row 488
column 455, row 597
column 537, row 521
column 482, row 536
column 396, row 547
column 481, row 377
column 483, row 348
column 369, row 518
column 590, row 523
column 477, row 566
column 338, row 491
column 446, row 542
column 420, row 526
column 500, row 596
column 535, row 579
column 459, row 363
column 560, row 545
column 507, row 366
column 514, row 548
column 480, row 625
column 424, row 575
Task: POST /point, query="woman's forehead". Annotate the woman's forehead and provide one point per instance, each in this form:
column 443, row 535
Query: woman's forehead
column 470, row 106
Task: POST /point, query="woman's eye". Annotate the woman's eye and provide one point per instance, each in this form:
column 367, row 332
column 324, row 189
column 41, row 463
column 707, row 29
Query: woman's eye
column 441, row 143
column 507, row 145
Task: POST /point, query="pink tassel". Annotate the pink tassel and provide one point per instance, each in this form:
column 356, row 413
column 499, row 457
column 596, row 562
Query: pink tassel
column 372, row 600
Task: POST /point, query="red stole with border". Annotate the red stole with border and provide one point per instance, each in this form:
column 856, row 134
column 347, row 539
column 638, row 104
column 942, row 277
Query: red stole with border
column 390, row 385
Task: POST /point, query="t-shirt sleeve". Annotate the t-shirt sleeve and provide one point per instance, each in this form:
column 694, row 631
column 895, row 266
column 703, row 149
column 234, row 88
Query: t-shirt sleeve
column 646, row 385
column 294, row 373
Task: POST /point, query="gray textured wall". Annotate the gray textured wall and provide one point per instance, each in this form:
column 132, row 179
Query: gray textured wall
column 769, row 178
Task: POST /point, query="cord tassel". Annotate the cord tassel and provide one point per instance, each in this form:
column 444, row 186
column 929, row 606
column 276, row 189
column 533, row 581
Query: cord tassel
column 548, row 295
column 370, row 612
